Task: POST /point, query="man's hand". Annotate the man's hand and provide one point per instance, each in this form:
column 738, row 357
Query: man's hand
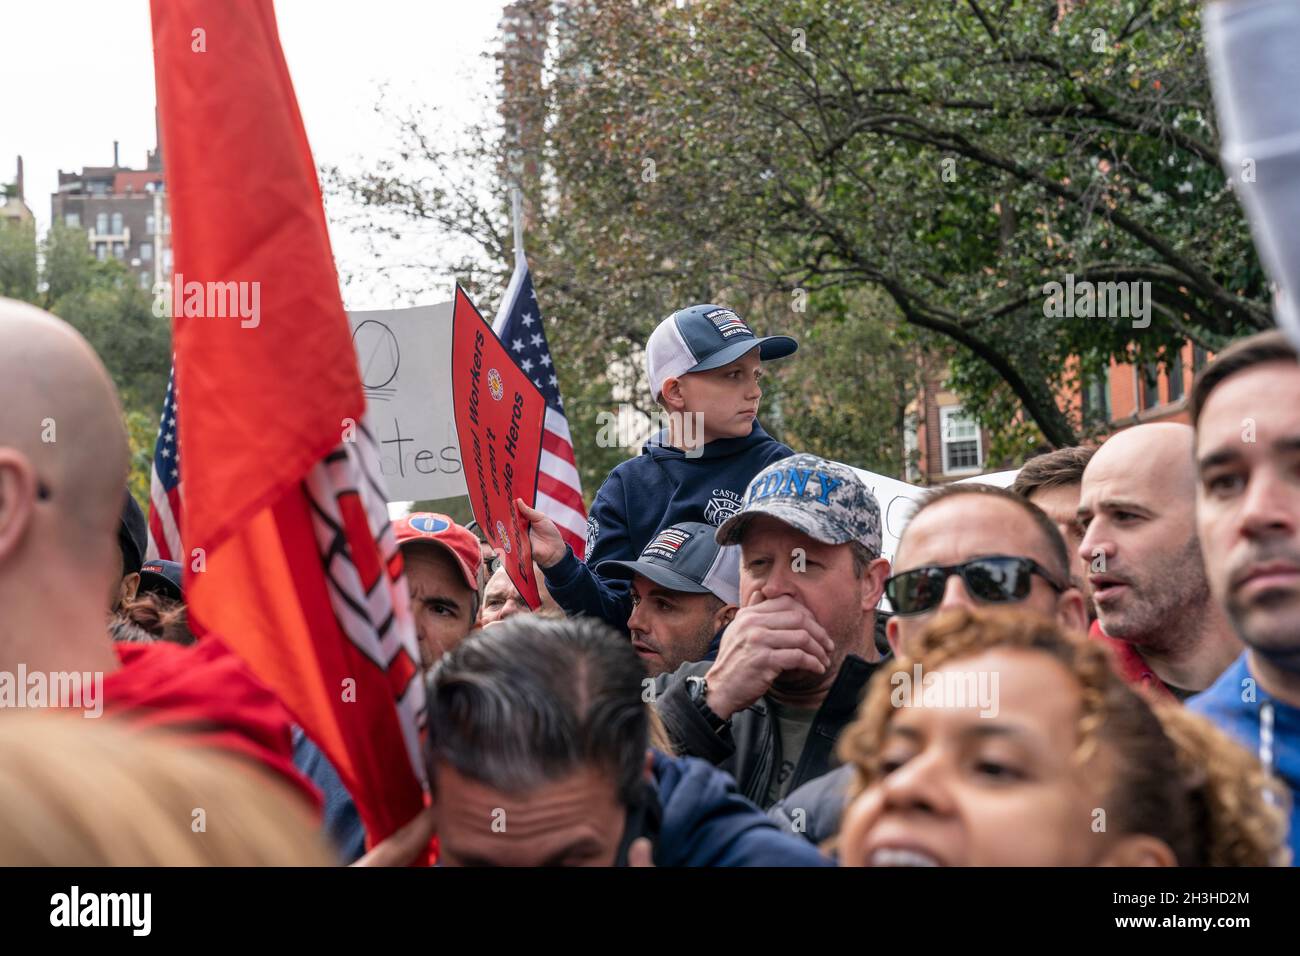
column 543, row 535
column 765, row 639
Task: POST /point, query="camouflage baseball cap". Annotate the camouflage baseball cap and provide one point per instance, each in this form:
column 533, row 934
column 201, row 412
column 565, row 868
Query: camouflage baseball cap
column 823, row 499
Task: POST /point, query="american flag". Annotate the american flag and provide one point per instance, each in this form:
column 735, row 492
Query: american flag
column 165, row 484
column 519, row 326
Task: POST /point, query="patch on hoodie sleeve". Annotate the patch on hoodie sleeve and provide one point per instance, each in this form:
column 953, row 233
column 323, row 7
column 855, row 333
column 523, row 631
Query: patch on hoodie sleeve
column 721, row 506
column 593, row 532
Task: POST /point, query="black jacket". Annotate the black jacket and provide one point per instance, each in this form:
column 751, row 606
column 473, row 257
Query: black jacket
column 747, row 750
column 814, row 810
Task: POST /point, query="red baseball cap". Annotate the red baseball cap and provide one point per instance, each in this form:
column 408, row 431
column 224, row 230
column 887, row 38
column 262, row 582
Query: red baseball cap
column 441, row 530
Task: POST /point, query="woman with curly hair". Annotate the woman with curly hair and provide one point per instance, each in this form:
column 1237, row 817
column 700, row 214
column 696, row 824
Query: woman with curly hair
column 1004, row 741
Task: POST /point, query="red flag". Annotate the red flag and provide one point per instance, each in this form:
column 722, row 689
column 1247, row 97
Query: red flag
column 499, row 415
column 297, row 567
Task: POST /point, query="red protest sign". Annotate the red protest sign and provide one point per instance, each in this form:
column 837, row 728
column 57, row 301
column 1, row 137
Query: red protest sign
column 499, row 415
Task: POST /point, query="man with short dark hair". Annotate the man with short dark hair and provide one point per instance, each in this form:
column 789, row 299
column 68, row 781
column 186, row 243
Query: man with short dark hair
column 793, row 663
column 539, row 746
column 1052, row 482
column 1245, row 408
column 967, row 544
column 685, row 591
column 970, row 543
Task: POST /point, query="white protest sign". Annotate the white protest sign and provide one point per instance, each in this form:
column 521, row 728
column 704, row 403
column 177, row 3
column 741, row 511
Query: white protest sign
column 898, row 499
column 404, row 356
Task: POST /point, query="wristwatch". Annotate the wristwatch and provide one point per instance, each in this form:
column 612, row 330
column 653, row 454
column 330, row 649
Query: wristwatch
column 697, row 689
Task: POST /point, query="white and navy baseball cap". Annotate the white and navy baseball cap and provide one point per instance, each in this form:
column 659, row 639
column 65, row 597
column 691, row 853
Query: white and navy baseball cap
column 685, row 557
column 702, row 337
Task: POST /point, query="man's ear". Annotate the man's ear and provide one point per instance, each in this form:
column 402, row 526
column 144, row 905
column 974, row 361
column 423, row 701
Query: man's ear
column 873, row 580
column 891, row 632
column 1138, row 849
column 17, row 498
column 724, row 616
column 1072, row 611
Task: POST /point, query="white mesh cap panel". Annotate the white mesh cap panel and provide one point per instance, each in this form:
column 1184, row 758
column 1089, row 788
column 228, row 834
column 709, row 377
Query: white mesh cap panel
column 723, row 577
column 666, row 355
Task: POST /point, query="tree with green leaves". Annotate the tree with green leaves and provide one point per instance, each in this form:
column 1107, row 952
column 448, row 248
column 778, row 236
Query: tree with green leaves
column 913, row 176
column 100, row 300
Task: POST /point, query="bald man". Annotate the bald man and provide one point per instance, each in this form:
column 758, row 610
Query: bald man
column 63, row 469
column 1137, row 505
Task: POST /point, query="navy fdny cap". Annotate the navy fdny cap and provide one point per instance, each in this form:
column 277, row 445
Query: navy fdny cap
column 685, row 557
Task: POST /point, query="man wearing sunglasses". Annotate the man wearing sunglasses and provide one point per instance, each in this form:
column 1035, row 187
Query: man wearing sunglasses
column 972, row 544
column 967, row 544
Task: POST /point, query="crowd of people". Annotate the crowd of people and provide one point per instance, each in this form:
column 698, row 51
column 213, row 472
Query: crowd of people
column 1097, row 665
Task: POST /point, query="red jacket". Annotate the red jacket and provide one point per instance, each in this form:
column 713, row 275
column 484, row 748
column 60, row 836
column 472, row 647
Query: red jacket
column 1128, row 664
column 209, row 695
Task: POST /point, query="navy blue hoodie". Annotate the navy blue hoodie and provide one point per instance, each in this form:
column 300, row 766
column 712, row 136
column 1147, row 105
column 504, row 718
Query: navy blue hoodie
column 1222, row 702
column 707, row 823
column 646, row 494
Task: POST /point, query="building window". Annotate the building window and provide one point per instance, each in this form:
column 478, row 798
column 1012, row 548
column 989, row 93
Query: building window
column 960, row 436
column 101, row 224
column 1199, row 357
column 72, row 220
column 119, row 250
column 117, row 223
column 1096, row 398
column 101, row 252
column 1176, row 377
column 144, row 280
column 167, row 223
column 148, row 225
column 146, row 252
column 1148, row 385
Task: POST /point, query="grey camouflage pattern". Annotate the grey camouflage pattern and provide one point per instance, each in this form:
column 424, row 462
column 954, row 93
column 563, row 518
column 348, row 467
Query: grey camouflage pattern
column 823, row 499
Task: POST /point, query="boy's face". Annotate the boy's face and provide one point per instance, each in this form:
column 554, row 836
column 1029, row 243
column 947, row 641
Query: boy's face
column 727, row 397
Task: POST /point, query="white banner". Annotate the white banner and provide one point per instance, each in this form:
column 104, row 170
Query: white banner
column 898, row 500
column 404, row 356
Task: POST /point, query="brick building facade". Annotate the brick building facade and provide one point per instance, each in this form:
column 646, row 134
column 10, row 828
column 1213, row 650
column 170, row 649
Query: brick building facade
column 123, row 212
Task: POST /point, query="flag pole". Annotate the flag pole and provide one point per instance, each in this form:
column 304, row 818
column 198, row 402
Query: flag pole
column 517, row 215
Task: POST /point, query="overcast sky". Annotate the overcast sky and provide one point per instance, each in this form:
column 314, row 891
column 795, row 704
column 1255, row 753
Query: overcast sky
column 78, row 74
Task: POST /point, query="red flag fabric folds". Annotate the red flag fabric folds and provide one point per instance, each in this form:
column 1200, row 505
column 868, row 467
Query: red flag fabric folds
column 290, row 558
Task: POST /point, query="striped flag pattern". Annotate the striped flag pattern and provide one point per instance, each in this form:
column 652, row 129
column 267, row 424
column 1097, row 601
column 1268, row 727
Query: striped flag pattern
column 559, row 491
column 165, row 484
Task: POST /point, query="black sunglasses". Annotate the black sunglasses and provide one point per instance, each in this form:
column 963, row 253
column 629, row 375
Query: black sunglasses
column 997, row 579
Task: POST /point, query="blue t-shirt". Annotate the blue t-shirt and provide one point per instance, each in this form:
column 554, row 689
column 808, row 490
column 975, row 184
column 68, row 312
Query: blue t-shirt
column 1235, row 703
